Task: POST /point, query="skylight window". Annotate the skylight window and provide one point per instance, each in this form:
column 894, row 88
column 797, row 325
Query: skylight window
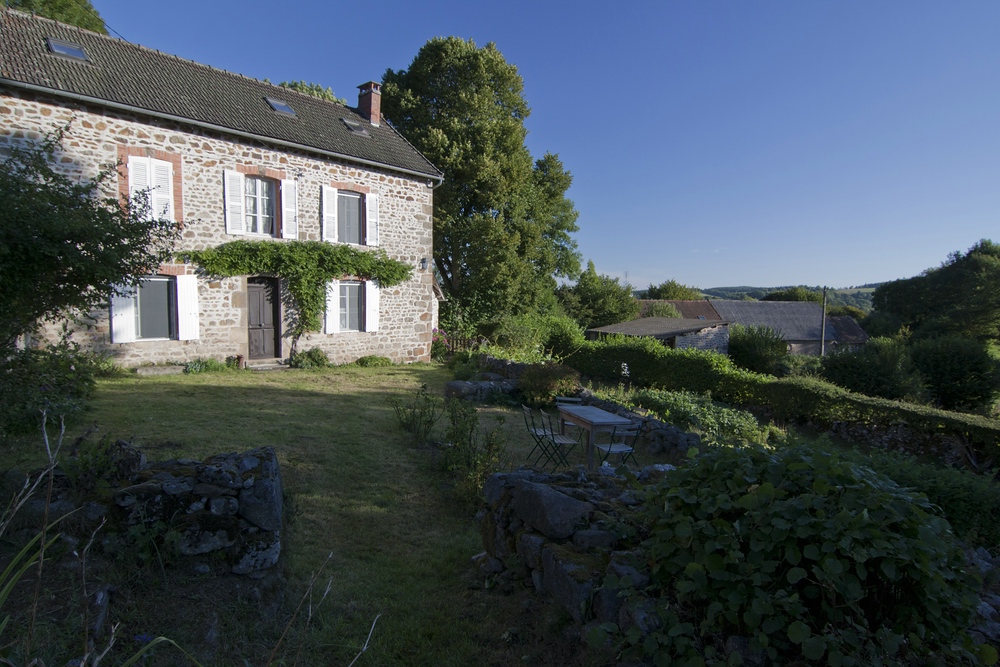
column 355, row 127
column 280, row 106
column 68, row 49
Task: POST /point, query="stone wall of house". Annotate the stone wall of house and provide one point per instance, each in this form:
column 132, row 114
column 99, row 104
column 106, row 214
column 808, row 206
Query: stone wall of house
column 97, row 137
column 715, row 339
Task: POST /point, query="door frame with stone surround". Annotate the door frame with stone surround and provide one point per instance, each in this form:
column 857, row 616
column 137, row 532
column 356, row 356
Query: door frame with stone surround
column 263, row 318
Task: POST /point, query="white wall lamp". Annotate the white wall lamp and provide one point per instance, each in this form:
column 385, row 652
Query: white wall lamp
column 423, row 263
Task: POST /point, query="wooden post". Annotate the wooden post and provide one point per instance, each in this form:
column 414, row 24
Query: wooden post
column 822, row 333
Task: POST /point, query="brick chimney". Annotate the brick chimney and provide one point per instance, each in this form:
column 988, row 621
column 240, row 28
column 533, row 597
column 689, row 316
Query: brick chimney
column 370, row 102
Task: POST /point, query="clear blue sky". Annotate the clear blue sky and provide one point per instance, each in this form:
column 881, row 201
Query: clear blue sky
column 716, row 142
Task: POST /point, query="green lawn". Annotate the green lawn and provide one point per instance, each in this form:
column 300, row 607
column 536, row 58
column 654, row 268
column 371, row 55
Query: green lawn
column 357, row 489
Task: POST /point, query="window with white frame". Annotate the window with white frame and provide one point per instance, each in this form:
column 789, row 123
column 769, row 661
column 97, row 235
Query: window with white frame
column 151, row 184
column 157, row 308
column 260, row 206
column 352, row 305
column 350, row 216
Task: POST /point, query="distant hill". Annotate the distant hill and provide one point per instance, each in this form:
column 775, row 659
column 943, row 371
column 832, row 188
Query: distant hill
column 859, row 297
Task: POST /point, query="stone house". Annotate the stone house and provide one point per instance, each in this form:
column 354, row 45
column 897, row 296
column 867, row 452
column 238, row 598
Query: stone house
column 229, row 157
column 675, row 333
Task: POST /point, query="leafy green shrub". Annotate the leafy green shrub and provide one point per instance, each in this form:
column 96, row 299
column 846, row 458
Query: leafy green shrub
column 418, row 415
column 960, row 373
column 970, row 502
column 57, row 380
column 881, row 368
column 760, row 349
column 798, row 365
column 686, row 410
column 374, row 361
column 310, row 359
column 206, row 366
column 810, row 557
column 521, row 332
column 541, row 383
column 564, row 337
column 534, row 335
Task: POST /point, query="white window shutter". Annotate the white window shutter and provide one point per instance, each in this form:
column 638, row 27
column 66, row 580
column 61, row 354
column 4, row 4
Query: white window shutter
column 187, row 308
column 329, row 213
column 233, row 186
column 139, row 182
column 371, row 219
column 371, row 306
column 332, row 324
column 123, row 316
column 162, row 195
column 289, row 209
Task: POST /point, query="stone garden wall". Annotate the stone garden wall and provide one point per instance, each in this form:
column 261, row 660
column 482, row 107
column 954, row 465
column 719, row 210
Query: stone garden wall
column 227, row 507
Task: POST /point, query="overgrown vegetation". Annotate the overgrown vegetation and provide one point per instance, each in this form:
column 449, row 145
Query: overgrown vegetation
column 715, row 422
column 472, row 452
column 418, row 415
column 757, row 348
column 787, row 399
column 54, row 381
column 809, row 557
column 541, row 383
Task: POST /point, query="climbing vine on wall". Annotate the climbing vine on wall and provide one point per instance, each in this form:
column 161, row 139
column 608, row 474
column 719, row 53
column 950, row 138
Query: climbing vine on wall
column 305, row 267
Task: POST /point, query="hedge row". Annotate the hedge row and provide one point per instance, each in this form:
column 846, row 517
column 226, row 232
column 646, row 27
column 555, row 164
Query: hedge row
column 644, row 362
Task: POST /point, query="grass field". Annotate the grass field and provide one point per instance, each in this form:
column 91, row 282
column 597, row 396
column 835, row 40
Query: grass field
column 357, row 488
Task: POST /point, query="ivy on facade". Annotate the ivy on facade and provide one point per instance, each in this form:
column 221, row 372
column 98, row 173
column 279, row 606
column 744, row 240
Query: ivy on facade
column 305, row 267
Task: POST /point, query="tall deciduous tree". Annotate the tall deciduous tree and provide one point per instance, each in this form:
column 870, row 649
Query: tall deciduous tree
column 960, row 297
column 797, row 293
column 673, row 290
column 502, row 224
column 64, row 248
column 598, row 300
column 75, row 12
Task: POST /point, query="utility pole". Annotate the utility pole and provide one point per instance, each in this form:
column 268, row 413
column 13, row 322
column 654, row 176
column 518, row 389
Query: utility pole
column 822, row 333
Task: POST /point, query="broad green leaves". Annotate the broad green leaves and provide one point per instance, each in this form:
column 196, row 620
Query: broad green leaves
column 809, row 556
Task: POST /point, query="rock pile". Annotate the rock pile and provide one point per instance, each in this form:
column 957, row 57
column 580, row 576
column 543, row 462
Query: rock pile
column 230, row 503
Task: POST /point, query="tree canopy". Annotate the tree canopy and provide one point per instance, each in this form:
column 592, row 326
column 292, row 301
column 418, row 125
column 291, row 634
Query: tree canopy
column 502, row 223
column 960, row 297
column 673, row 290
column 64, row 248
column 75, row 12
column 797, row 293
column 598, row 300
column 314, row 89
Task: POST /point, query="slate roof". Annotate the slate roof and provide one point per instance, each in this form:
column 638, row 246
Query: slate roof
column 657, row 327
column 691, row 310
column 123, row 75
column 848, row 331
column 796, row 320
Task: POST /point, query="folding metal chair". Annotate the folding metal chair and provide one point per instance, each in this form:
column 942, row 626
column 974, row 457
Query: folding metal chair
column 622, row 444
column 538, row 433
column 557, row 441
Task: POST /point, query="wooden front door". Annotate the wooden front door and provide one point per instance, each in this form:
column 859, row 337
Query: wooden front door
column 264, row 334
